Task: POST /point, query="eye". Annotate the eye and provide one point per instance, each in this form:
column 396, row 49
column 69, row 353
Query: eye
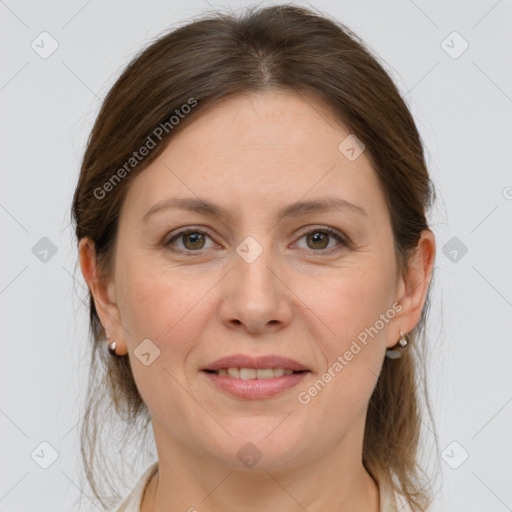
column 192, row 239
column 320, row 238
column 317, row 240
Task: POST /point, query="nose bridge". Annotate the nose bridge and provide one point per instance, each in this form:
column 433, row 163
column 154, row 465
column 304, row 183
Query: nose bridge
column 253, row 260
column 254, row 295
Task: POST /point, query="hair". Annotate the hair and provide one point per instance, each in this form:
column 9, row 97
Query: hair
column 207, row 61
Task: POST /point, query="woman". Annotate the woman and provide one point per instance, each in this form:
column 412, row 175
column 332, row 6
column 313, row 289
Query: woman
column 251, row 223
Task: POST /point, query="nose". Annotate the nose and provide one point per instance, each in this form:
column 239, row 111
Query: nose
column 254, row 296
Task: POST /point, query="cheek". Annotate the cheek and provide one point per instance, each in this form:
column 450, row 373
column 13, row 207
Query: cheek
column 354, row 304
column 159, row 304
column 164, row 307
column 353, row 353
column 351, row 299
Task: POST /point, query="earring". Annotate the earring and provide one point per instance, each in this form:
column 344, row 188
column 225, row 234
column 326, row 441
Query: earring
column 112, row 347
column 396, row 351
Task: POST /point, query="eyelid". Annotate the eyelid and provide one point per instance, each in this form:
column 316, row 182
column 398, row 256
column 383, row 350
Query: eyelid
column 177, row 233
column 342, row 239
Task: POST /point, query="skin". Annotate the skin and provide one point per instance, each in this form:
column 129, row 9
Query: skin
column 301, row 298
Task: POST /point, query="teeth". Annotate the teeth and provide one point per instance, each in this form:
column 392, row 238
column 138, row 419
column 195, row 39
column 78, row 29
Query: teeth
column 265, row 373
column 233, row 372
column 247, row 373
column 251, row 373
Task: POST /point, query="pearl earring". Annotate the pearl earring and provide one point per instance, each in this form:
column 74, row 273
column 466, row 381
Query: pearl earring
column 396, row 351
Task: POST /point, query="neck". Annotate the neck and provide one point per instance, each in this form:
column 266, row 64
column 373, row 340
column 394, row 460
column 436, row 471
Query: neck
column 189, row 482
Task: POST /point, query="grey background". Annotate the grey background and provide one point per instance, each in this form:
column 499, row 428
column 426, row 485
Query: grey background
column 463, row 108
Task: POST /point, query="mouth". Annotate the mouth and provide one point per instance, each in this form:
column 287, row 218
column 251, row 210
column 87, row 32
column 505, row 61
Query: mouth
column 254, row 378
column 254, row 373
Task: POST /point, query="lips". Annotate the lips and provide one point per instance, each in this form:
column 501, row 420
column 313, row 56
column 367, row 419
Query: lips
column 255, row 378
column 252, row 373
column 256, row 363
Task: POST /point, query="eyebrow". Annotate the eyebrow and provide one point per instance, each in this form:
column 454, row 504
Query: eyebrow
column 293, row 210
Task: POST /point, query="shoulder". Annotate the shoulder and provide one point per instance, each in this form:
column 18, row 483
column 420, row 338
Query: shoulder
column 132, row 502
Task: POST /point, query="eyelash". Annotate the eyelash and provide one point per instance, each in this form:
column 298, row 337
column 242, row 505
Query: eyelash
column 343, row 241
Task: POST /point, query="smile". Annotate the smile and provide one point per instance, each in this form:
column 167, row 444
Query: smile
column 254, row 384
column 253, row 373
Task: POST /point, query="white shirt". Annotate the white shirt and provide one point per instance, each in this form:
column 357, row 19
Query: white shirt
column 133, row 500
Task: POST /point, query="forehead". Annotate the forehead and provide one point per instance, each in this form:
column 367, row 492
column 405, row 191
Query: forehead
column 262, row 148
column 277, row 122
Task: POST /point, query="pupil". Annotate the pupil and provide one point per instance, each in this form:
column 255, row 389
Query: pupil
column 194, row 238
column 318, row 237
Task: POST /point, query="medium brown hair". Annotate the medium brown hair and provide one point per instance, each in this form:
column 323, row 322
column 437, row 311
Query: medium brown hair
column 212, row 59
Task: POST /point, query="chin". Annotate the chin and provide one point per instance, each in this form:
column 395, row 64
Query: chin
column 261, row 447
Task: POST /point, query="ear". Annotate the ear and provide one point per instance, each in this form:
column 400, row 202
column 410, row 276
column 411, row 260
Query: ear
column 413, row 286
column 104, row 295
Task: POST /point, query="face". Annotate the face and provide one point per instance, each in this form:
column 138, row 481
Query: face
column 264, row 272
